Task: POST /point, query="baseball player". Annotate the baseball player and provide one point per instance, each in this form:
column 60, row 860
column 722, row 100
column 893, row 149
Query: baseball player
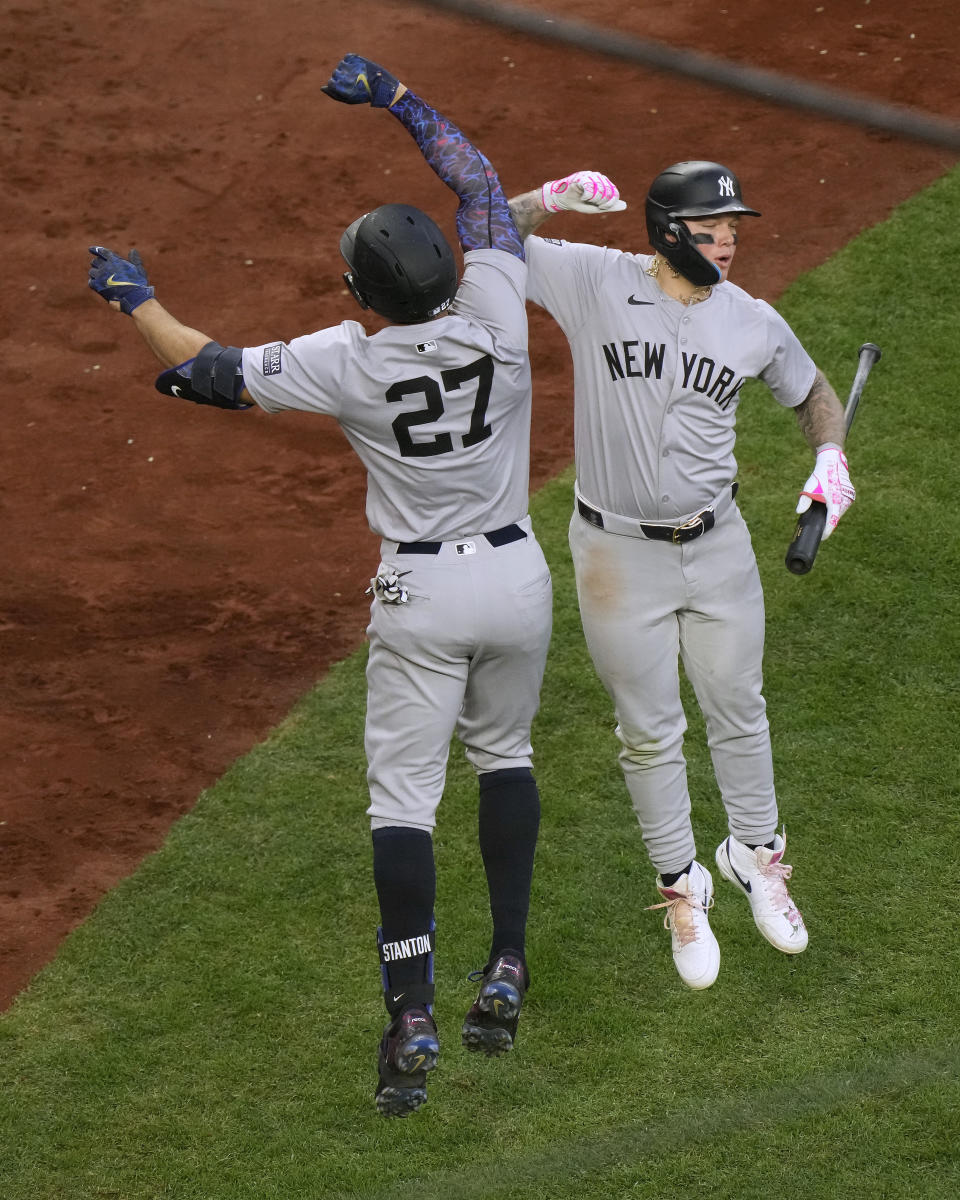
column 437, row 406
column 661, row 347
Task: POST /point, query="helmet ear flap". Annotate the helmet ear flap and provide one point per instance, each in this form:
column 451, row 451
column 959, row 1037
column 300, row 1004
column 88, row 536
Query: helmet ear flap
column 354, row 290
column 676, row 243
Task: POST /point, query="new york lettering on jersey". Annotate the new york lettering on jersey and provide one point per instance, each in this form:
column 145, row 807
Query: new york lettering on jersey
column 633, row 359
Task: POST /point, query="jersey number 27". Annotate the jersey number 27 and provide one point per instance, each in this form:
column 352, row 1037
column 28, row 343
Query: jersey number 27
column 425, row 385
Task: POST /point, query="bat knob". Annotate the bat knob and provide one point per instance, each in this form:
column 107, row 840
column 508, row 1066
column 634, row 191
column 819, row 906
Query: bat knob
column 806, row 539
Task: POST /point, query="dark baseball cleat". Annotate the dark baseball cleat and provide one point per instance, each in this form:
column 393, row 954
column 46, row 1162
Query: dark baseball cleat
column 490, row 1026
column 408, row 1050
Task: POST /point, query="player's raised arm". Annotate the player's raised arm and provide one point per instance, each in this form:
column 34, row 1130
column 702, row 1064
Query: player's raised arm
column 483, row 218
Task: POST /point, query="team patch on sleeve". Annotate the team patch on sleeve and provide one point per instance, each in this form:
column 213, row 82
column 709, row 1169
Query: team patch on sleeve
column 272, row 361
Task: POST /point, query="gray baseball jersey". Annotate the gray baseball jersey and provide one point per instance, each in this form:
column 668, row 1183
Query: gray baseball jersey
column 439, row 414
column 657, row 384
column 420, row 404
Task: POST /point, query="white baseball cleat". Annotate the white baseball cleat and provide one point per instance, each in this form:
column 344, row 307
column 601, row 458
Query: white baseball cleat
column 762, row 876
column 695, row 949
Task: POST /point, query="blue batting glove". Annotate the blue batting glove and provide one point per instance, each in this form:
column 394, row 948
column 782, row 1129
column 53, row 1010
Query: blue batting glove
column 357, row 80
column 120, row 279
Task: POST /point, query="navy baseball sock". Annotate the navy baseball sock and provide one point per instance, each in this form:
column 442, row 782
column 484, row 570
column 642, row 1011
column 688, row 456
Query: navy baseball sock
column 509, row 822
column 669, row 878
column 406, row 881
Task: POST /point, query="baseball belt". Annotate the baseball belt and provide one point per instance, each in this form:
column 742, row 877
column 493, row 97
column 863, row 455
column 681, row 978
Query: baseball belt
column 694, row 527
column 496, row 537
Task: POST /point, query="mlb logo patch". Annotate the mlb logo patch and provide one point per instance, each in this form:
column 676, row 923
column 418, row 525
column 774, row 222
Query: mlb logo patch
column 426, row 347
column 272, row 362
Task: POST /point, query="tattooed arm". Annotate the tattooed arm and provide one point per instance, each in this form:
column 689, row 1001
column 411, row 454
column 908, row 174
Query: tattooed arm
column 820, row 416
column 528, row 212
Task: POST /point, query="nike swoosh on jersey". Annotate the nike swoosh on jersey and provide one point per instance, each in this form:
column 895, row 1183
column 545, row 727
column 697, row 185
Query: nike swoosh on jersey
column 634, row 300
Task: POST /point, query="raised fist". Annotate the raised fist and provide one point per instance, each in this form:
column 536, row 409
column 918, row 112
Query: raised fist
column 583, row 191
column 357, row 80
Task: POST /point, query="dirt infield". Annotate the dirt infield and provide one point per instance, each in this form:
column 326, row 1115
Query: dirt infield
column 175, row 578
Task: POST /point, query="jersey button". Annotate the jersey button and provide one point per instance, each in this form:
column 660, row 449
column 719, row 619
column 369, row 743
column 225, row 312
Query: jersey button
column 666, row 454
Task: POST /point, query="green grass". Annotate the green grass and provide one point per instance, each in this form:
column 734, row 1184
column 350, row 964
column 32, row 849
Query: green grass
column 210, row 1031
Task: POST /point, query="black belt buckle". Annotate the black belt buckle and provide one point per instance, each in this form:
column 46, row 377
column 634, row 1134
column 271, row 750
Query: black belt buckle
column 700, row 524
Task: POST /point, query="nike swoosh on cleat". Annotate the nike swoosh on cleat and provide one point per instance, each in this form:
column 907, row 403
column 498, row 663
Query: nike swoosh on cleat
column 744, row 883
column 398, row 997
column 634, row 300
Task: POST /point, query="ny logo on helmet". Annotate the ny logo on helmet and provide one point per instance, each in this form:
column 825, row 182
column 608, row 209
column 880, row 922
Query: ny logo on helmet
column 727, row 186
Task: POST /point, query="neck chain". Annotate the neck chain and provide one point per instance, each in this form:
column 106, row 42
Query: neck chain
column 701, row 293
column 658, row 263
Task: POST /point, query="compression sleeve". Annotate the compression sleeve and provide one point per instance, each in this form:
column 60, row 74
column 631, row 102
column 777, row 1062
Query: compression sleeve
column 483, row 218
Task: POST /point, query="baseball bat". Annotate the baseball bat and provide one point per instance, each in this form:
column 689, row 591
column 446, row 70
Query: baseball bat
column 806, row 538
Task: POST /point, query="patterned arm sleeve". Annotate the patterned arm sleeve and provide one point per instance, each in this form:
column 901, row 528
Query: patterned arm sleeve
column 483, row 218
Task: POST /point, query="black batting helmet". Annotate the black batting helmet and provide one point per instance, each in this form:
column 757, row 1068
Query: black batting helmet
column 400, row 264
column 690, row 189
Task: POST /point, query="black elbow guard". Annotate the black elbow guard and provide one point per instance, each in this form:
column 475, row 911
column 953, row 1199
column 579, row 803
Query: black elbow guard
column 214, row 377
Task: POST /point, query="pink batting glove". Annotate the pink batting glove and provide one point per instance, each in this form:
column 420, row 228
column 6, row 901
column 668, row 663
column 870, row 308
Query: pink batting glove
column 830, row 484
column 583, row 191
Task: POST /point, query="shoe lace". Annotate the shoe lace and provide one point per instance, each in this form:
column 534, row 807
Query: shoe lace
column 681, row 915
column 775, row 876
